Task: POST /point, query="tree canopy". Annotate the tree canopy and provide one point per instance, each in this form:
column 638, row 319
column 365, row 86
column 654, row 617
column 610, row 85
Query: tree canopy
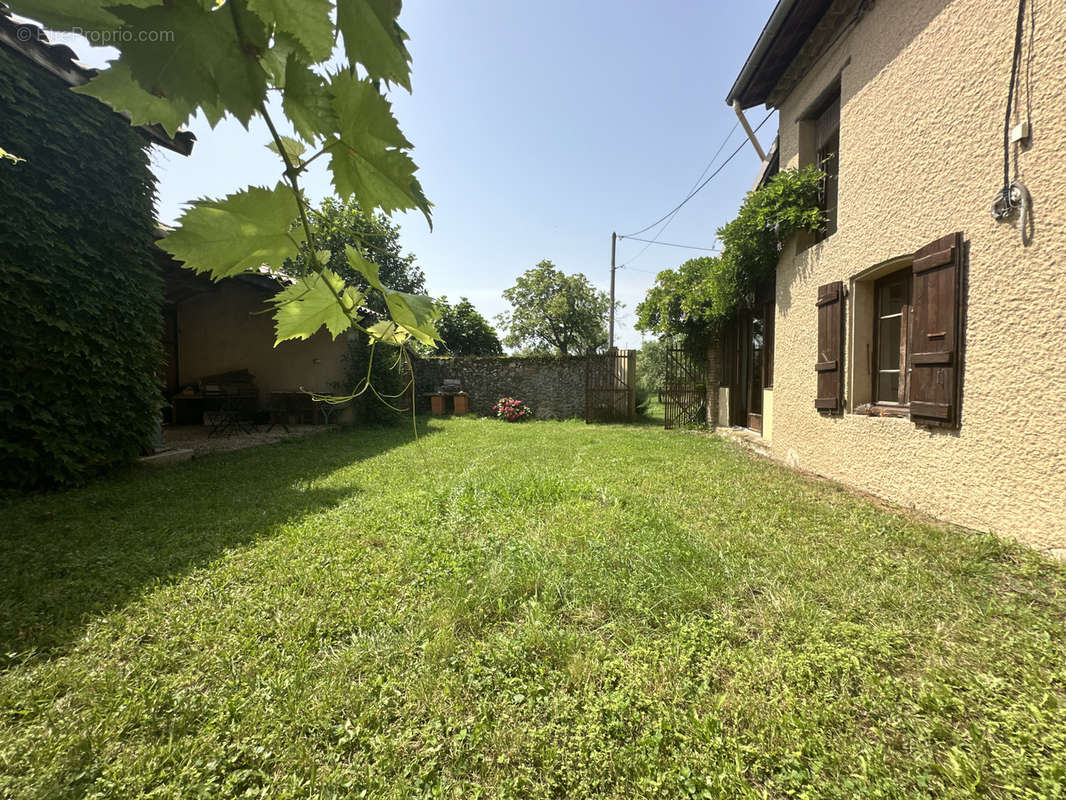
column 464, row 331
column 677, row 305
column 554, row 311
column 339, row 224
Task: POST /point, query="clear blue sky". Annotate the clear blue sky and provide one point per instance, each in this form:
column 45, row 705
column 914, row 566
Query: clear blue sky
column 539, row 128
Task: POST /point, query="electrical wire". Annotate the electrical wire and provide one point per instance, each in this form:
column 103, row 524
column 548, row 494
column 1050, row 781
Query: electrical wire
column 671, row 244
column 1015, row 63
column 699, row 188
column 710, row 163
column 662, row 230
column 1013, row 195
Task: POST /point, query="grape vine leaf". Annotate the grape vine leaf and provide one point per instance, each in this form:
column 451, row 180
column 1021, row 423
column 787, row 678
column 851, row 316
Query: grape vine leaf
column 311, row 302
column 307, row 102
column 67, row 15
column 367, row 158
column 202, row 62
column 239, row 233
column 306, row 21
column 116, row 87
column 293, row 148
column 413, row 313
column 387, row 333
column 368, row 269
column 373, row 38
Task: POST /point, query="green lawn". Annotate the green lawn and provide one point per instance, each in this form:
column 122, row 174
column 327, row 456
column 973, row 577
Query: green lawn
column 547, row 610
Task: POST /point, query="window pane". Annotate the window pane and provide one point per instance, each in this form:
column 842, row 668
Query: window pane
column 892, row 296
column 888, row 387
column 888, row 333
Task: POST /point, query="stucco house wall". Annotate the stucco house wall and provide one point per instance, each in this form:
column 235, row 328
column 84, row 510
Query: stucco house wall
column 923, row 93
column 225, row 329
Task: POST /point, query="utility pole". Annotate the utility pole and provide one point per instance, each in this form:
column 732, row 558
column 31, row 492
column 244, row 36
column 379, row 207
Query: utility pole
column 610, row 335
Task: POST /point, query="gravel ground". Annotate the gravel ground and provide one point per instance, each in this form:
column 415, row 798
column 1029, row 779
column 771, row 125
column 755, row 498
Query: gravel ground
column 195, row 438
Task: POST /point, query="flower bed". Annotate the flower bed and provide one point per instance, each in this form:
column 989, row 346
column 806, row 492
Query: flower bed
column 511, row 409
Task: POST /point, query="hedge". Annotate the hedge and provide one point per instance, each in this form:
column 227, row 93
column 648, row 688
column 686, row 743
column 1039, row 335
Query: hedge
column 80, row 330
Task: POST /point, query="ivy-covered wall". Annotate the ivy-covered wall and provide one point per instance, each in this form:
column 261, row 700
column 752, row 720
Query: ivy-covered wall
column 80, row 327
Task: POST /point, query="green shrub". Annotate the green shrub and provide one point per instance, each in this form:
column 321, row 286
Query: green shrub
column 643, row 399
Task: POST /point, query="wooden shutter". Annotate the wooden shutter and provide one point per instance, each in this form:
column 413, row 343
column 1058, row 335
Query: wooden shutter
column 828, row 124
column 935, row 342
column 830, row 364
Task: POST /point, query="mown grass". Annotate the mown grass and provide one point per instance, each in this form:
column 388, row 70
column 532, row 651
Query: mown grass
column 543, row 610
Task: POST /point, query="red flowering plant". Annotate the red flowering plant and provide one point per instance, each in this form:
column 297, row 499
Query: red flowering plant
column 512, row 410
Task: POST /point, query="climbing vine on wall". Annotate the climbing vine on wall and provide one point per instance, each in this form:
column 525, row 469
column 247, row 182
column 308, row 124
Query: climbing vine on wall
column 80, row 330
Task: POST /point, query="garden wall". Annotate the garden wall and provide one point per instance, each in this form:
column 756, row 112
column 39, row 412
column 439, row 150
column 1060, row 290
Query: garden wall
column 554, row 387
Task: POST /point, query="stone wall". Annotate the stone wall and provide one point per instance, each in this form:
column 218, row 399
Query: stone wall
column 554, row 387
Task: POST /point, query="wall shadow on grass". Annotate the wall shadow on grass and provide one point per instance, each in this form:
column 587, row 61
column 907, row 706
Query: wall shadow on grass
column 65, row 557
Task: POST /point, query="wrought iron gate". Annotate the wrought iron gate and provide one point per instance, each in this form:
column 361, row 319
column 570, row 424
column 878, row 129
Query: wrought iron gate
column 685, row 390
column 610, row 386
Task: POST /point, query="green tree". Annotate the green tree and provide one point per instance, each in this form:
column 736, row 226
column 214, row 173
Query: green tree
column 678, row 305
column 464, row 331
column 651, row 365
column 554, row 311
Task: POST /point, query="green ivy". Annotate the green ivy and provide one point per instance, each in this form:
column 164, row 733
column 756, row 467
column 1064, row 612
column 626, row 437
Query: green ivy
column 695, row 299
column 80, row 332
column 752, row 242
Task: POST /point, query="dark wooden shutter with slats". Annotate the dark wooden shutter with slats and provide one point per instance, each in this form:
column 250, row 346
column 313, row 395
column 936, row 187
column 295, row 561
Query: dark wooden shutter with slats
column 935, row 346
column 830, row 364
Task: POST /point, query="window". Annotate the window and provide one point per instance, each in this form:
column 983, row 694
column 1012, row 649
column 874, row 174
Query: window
column 892, row 299
column 905, row 334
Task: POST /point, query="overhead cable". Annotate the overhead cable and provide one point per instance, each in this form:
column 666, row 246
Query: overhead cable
column 697, row 190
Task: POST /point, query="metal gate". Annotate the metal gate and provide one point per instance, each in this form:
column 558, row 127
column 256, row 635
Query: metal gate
column 610, row 386
column 685, row 390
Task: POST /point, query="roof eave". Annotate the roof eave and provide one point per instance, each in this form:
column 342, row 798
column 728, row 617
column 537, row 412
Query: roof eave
column 769, row 33
column 785, row 34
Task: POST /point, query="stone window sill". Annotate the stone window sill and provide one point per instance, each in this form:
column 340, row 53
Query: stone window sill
column 874, row 410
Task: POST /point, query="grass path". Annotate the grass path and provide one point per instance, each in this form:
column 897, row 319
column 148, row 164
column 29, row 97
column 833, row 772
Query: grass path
column 548, row 610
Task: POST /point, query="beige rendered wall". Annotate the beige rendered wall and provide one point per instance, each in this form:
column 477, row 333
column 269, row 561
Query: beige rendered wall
column 219, row 331
column 923, row 85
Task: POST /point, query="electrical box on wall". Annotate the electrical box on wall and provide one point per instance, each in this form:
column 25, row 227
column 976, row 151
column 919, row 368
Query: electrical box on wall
column 1019, row 133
